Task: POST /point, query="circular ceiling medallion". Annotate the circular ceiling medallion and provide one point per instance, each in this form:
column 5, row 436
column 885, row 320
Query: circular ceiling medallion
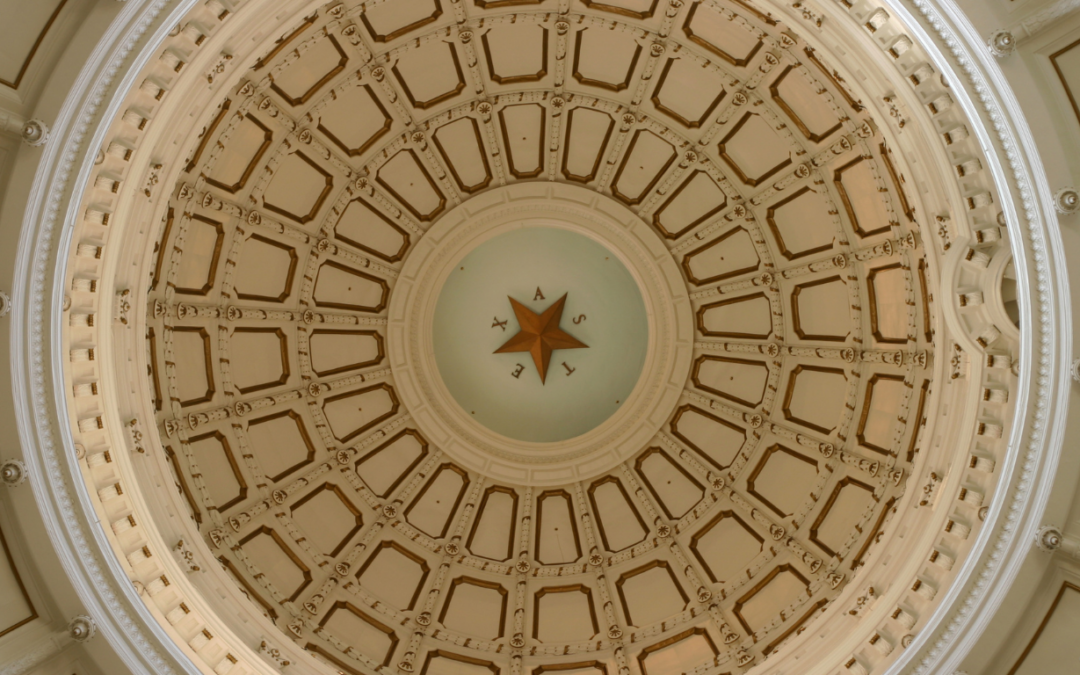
column 540, row 337
column 540, row 333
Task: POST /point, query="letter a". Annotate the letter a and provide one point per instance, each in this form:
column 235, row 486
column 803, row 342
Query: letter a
column 539, row 295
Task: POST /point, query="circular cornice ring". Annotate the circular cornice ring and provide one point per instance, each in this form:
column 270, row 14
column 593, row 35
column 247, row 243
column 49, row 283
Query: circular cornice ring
column 667, row 364
column 1034, row 445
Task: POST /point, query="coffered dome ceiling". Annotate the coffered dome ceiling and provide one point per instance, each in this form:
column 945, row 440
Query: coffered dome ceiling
column 764, row 364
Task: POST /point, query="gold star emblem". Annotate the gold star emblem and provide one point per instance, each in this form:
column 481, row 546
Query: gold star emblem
column 540, row 334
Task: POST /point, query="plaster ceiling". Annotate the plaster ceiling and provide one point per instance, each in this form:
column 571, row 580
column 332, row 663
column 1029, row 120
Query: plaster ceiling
column 770, row 186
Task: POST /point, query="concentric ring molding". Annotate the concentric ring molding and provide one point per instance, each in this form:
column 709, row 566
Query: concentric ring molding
column 864, row 658
column 576, row 209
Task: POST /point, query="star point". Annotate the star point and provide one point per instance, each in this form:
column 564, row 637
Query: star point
column 540, row 334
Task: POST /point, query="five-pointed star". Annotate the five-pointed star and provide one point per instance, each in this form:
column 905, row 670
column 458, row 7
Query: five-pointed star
column 540, row 334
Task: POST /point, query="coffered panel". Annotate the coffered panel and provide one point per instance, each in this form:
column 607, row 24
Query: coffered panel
column 299, row 188
column 695, row 201
column 714, row 439
column 564, row 614
column 688, row 92
column 321, row 59
column 753, row 150
column 730, row 255
column 673, row 487
column 516, row 53
column 722, row 32
column 355, row 119
column 650, row 593
column 604, row 58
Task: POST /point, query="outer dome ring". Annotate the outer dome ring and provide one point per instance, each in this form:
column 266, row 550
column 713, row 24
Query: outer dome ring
column 667, row 363
column 45, row 444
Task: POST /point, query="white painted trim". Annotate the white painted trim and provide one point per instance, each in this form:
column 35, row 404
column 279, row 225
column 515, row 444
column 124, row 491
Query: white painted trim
column 122, row 617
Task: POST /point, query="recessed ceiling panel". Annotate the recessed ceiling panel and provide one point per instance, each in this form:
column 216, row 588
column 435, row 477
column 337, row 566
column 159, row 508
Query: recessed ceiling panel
column 266, row 270
column 740, row 380
column 327, row 518
column 753, row 149
column 492, row 534
column 564, row 614
column 693, row 203
column 730, row 255
column 354, row 119
column 674, row 488
column 717, row 441
column 298, row 189
column 746, row 316
column 430, row 74
column 276, row 562
column 316, row 65
column 885, row 394
column 860, row 192
column 516, row 52
column 780, row 588
column 889, row 288
column 726, row 546
column 557, row 539
column 361, row 631
column 805, row 104
column 650, row 594
column 688, row 92
column 395, row 575
column 219, row 469
column 391, row 20
column 340, row 287
column 409, row 182
column 587, row 135
column 437, row 501
column 820, row 309
column 846, row 507
column 475, row 607
column 728, row 36
column 367, row 229
column 283, row 442
column 195, row 383
column 258, row 359
column 783, row 479
column 619, row 523
column 605, row 58
column 462, row 147
column 339, row 351
column 802, row 223
column 197, row 268
column 815, row 397
column 352, row 413
column 683, row 652
column 245, row 141
column 523, row 128
column 647, row 158
column 388, row 465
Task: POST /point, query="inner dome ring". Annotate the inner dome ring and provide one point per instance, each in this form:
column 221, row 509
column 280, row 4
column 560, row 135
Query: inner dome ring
column 667, row 360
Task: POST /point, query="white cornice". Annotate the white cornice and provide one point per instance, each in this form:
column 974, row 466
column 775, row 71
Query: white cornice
column 65, row 506
column 1035, row 444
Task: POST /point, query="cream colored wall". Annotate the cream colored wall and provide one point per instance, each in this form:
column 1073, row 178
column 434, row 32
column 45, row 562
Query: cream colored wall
column 41, row 91
column 1056, row 128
